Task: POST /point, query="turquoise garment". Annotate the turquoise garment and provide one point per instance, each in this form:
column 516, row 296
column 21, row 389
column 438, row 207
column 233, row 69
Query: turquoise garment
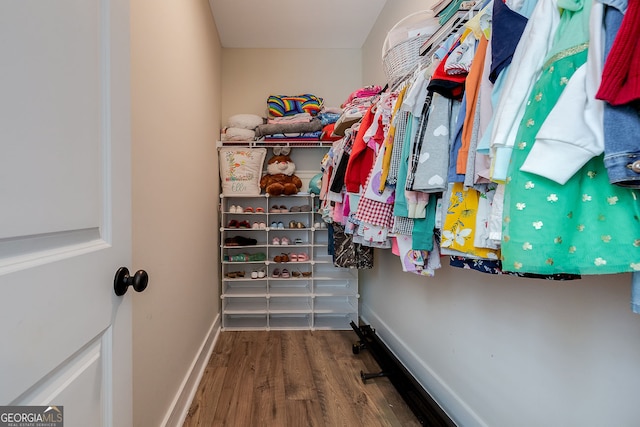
column 587, row 225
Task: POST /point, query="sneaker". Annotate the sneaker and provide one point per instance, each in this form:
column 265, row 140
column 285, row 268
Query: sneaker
column 285, row 241
column 285, row 273
column 275, row 241
column 280, row 225
column 274, row 224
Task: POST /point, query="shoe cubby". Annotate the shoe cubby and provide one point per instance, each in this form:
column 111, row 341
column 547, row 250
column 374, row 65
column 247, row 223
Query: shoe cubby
column 276, row 269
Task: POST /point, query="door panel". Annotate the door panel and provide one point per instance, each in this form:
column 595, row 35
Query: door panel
column 65, row 210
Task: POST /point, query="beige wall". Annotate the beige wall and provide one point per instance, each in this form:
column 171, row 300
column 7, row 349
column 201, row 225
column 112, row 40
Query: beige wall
column 175, row 56
column 251, row 75
column 504, row 351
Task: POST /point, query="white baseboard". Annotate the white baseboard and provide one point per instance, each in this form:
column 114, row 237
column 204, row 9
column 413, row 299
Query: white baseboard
column 450, row 402
column 179, row 408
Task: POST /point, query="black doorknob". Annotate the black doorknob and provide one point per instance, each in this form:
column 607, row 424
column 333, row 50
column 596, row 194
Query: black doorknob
column 123, row 280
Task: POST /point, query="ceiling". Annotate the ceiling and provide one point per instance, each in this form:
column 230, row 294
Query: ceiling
column 281, row 24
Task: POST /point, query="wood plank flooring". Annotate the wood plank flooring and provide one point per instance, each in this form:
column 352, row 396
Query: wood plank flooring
column 296, row 379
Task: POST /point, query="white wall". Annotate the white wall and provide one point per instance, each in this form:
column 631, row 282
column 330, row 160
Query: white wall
column 504, row 351
column 250, row 75
column 175, row 56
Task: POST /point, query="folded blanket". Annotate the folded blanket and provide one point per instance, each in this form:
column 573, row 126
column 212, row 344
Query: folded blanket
column 269, row 129
column 289, row 136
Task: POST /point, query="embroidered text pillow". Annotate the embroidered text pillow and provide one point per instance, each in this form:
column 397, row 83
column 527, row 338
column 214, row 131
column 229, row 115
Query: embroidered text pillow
column 241, row 170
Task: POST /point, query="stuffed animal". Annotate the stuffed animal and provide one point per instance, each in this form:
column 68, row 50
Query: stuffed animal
column 280, row 178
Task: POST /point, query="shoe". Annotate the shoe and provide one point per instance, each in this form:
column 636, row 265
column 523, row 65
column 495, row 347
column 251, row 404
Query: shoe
column 274, row 209
column 261, row 273
column 296, row 273
column 285, row 274
column 255, row 226
column 280, row 225
column 262, row 226
column 306, row 273
column 300, row 225
column 316, row 225
column 303, row 257
column 232, row 224
column 254, row 274
column 275, row 241
column 305, row 208
column 285, row 241
column 274, row 224
column 231, row 241
column 293, row 257
column 259, row 210
column 298, row 241
column 295, row 209
column 292, row 224
column 233, row 209
column 248, row 209
column 276, row 273
column 244, row 224
column 277, row 258
column 283, row 208
column 245, row 241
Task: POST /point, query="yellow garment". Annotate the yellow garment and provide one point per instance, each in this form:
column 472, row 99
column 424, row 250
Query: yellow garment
column 458, row 229
column 388, row 141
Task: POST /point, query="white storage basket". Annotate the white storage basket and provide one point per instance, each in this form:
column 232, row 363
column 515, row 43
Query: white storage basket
column 403, row 57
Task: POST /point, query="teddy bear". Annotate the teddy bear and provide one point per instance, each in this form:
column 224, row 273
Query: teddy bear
column 280, row 177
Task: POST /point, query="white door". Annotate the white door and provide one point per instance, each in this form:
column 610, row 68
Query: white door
column 65, row 337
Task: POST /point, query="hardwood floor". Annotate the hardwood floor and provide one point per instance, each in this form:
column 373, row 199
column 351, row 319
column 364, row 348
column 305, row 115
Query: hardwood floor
column 296, row 379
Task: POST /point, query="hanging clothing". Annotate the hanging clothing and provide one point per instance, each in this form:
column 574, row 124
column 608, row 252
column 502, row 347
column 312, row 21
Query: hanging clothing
column 587, row 225
column 621, row 122
column 524, row 71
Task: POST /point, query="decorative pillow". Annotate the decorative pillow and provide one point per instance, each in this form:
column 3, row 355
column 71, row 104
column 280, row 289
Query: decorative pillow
column 245, row 121
column 283, row 105
column 238, row 134
column 241, row 170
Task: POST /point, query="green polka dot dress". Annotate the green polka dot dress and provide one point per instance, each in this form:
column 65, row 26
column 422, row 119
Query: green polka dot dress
column 587, row 225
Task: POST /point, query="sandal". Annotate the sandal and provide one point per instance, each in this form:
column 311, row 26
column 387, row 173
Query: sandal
column 285, row 273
